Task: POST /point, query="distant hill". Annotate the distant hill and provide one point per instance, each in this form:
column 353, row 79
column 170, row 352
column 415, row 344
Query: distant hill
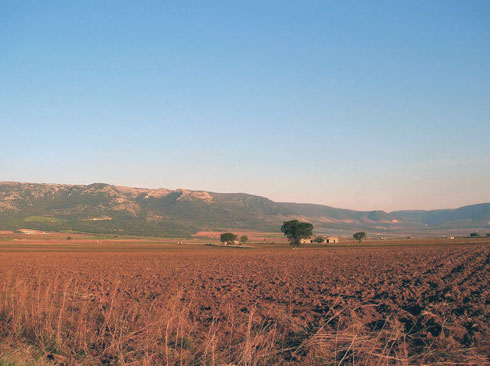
column 104, row 208
column 464, row 217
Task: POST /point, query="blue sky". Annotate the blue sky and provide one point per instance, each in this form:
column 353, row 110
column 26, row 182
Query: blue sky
column 354, row 104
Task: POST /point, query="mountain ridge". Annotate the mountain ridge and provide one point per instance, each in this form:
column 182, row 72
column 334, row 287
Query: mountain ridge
column 106, row 208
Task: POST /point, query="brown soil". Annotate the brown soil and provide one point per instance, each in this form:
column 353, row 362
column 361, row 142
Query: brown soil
column 389, row 305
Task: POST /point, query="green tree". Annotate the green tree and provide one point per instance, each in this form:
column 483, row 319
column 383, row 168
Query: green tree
column 474, row 235
column 319, row 239
column 359, row 236
column 295, row 230
column 227, row 237
column 243, row 239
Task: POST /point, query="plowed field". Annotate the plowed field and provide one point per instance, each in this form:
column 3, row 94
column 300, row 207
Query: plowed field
column 213, row 306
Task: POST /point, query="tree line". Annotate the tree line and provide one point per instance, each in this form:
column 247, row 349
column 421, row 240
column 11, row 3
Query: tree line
column 293, row 230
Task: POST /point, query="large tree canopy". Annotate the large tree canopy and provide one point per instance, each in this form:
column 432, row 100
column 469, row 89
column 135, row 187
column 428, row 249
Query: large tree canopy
column 295, row 230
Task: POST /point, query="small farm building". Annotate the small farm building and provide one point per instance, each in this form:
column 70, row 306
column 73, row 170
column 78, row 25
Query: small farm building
column 328, row 240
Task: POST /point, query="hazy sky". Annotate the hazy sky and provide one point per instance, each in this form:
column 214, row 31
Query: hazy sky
column 362, row 104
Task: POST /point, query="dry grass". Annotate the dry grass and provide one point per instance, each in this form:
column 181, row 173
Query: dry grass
column 62, row 324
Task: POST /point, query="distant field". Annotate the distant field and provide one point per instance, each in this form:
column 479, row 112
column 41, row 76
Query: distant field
column 252, row 235
column 44, row 219
column 72, row 241
column 147, row 301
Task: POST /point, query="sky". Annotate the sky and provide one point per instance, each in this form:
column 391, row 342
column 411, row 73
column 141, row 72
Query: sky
column 353, row 104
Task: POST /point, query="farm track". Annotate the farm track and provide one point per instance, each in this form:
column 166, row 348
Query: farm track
column 390, row 305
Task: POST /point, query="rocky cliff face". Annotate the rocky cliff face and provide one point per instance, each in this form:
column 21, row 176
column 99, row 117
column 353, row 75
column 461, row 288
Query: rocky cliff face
column 16, row 196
